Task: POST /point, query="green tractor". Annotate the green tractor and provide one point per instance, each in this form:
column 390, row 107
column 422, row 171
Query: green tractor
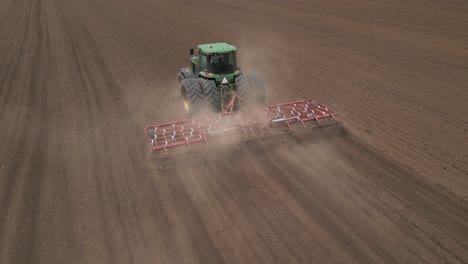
column 213, row 77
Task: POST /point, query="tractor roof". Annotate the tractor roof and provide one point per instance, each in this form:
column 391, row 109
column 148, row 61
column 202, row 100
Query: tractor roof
column 216, row 48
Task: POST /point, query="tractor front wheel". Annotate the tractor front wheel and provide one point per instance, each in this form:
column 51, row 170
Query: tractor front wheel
column 185, row 73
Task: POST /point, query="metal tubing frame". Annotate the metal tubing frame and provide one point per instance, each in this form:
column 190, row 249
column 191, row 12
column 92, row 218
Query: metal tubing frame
column 260, row 122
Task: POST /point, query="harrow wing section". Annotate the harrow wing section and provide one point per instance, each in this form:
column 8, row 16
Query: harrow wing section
column 233, row 126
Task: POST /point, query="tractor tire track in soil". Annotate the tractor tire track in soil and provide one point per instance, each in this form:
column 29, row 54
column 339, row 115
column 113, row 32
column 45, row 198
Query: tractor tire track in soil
column 80, row 79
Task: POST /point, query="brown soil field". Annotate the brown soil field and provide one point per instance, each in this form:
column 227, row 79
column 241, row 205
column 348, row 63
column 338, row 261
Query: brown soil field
column 79, row 80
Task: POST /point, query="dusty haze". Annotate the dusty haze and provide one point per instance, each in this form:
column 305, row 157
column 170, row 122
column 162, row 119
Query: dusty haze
column 79, row 80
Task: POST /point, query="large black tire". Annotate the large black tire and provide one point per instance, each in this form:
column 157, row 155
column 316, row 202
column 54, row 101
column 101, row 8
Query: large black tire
column 251, row 87
column 211, row 92
column 185, row 73
column 193, row 96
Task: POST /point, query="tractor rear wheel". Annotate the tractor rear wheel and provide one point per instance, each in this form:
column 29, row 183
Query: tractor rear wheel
column 251, row 87
column 193, row 96
column 185, row 73
column 212, row 96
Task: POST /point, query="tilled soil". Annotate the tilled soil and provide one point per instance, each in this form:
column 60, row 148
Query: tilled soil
column 80, row 79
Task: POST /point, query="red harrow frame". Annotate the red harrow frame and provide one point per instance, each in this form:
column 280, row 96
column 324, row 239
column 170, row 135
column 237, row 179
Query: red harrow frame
column 252, row 122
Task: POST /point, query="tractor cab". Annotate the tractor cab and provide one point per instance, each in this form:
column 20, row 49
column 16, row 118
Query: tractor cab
column 215, row 58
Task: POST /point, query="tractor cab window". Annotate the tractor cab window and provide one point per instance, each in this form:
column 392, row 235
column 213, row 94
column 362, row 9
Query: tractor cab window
column 222, row 63
column 203, row 62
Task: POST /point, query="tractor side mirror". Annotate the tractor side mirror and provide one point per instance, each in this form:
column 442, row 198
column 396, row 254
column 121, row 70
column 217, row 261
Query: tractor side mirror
column 191, row 52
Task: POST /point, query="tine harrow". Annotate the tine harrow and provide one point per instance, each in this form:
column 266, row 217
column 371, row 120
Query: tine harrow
column 252, row 122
